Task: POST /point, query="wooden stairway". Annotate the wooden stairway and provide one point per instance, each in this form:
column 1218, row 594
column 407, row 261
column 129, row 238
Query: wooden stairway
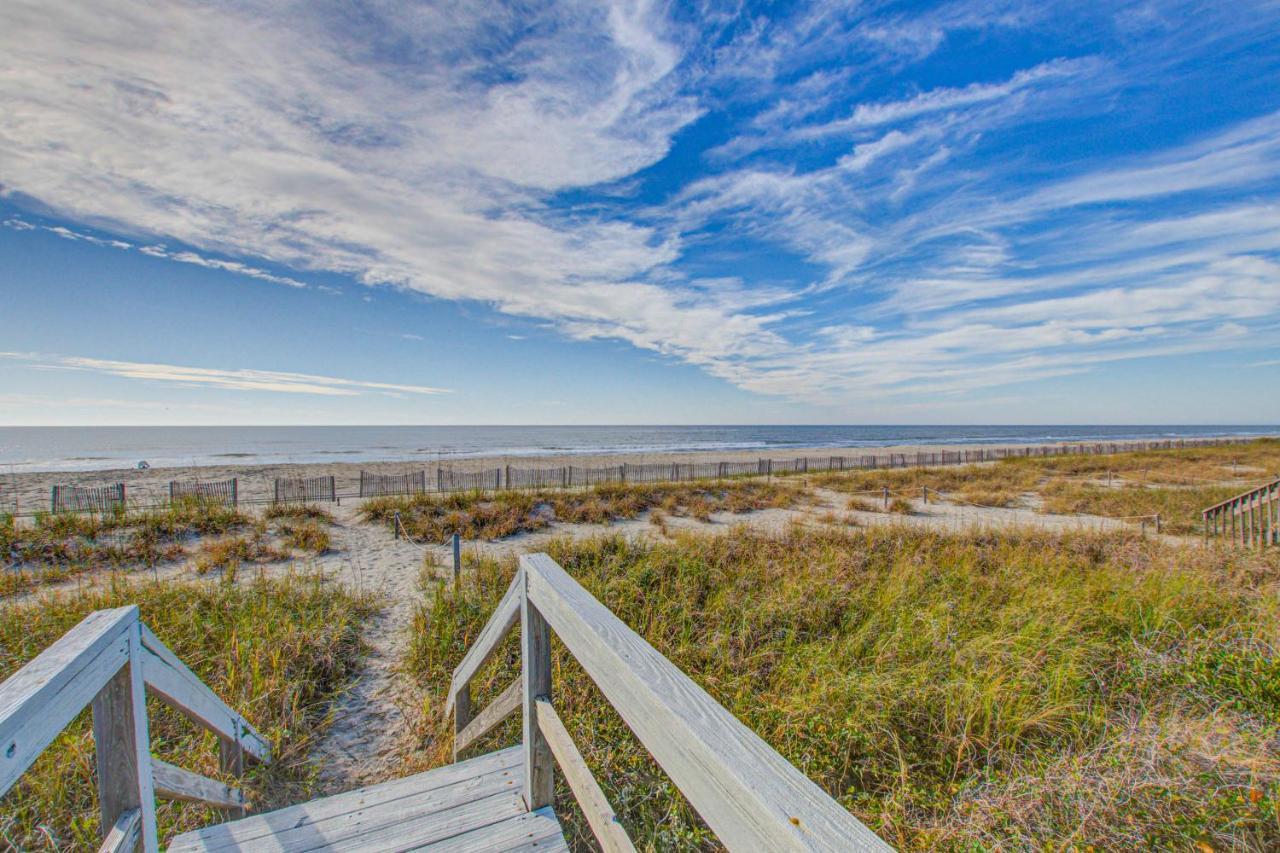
column 747, row 793
column 471, row 806
column 1250, row 518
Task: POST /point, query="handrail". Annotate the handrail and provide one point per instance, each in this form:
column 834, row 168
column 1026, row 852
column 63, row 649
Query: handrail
column 1249, row 517
column 1272, row 485
column 749, row 795
column 109, row 660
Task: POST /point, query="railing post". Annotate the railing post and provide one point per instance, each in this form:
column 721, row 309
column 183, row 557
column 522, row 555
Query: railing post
column 535, row 641
column 123, row 746
column 231, row 760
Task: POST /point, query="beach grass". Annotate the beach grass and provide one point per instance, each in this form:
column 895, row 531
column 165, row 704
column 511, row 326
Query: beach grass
column 277, row 650
column 55, row 547
column 480, row 515
column 956, row 691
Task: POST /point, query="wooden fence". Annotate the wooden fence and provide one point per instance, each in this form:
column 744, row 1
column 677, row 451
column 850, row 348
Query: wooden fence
column 1251, row 518
column 750, row 796
column 488, row 480
column 87, row 499
column 305, row 490
column 374, row 485
column 219, row 491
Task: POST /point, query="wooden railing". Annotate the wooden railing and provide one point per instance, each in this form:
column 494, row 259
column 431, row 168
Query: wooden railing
column 749, row 795
column 110, row 660
column 1252, row 518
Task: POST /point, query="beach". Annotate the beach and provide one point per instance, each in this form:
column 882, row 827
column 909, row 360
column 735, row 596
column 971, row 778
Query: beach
column 26, row 492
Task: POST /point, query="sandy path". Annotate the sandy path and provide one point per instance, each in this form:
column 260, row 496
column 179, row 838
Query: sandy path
column 371, row 721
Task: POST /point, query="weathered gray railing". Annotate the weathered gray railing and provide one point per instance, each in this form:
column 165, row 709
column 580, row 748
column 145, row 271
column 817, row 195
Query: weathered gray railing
column 110, row 660
column 1251, row 518
column 749, row 795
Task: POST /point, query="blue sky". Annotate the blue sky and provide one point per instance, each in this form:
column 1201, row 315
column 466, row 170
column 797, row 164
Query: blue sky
column 388, row 212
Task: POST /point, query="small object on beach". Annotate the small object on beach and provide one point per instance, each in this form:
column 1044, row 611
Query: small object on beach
column 143, row 465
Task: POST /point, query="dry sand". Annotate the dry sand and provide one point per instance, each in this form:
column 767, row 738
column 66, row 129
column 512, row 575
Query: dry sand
column 30, row 491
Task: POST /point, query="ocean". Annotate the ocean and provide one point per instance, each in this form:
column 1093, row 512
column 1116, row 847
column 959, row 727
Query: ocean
column 100, row 448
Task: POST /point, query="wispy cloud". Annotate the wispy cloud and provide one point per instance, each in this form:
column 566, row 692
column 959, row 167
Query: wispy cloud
column 156, row 251
column 859, row 230
column 238, row 380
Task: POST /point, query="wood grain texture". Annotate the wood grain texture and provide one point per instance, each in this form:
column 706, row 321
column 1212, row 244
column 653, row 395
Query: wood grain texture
column 498, row 710
column 175, row 783
column 472, row 799
column 535, row 673
column 487, row 641
column 377, row 805
column 174, row 682
column 595, row 806
column 749, row 795
column 124, row 834
column 142, row 740
column 115, row 752
column 41, row 698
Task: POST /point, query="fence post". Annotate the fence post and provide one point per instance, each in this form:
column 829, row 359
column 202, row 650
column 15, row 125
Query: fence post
column 925, row 489
column 1157, row 522
column 886, row 497
column 535, row 670
column 508, row 478
column 457, row 557
column 395, row 521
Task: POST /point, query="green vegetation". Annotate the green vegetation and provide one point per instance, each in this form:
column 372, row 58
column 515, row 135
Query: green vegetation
column 1024, row 690
column 1177, row 484
column 476, row 515
column 275, row 650
column 58, row 546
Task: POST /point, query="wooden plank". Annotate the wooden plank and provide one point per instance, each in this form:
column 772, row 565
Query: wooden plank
column 41, row 698
column 170, row 678
column 749, row 794
column 535, row 672
column 115, row 752
column 388, row 801
column 486, row 643
column 488, row 719
column 125, row 833
column 142, row 741
column 595, row 806
column 525, row 833
column 175, row 783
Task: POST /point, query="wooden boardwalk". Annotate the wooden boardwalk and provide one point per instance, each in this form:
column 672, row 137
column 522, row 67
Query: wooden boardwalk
column 748, row 794
column 475, row 805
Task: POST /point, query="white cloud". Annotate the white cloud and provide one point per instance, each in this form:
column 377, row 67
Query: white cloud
column 237, row 380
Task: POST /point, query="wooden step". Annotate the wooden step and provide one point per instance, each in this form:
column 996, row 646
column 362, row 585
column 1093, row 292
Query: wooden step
column 473, row 805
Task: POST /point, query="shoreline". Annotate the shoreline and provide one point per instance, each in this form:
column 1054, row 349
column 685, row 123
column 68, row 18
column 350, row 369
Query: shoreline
column 27, row 492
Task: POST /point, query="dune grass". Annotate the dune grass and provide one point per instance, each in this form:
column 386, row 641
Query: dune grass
column 55, row 547
column 277, row 650
column 1177, row 484
column 479, row 515
column 1021, row 690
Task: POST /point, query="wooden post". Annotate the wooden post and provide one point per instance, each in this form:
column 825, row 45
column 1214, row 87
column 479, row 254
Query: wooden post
column 535, row 640
column 124, row 747
column 396, row 523
column 925, row 491
column 462, row 715
column 457, row 557
column 886, row 497
column 508, row 478
column 231, row 760
column 1157, row 523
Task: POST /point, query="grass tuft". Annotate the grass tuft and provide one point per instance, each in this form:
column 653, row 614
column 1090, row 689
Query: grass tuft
column 1016, row 690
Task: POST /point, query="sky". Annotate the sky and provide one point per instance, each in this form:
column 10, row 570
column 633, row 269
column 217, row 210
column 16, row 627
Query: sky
column 633, row 212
